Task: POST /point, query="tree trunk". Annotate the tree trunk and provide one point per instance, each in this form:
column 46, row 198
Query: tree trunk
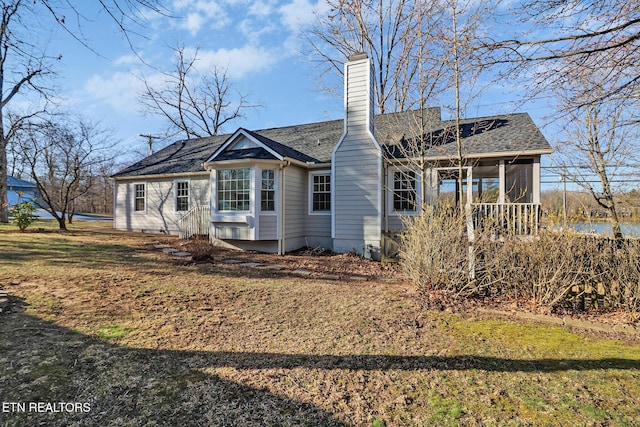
column 62, row 225
column 4, row 202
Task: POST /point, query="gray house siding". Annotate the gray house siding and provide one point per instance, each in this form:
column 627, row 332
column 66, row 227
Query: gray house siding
column 357, row 167
column 317, row 223
column 268, row 229
column 159, row 215
column 295, row 187
column 357, row 195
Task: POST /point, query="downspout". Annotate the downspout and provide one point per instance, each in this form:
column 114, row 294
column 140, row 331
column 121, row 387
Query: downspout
column 115, row 198
column 385, row 190
column 281, row 237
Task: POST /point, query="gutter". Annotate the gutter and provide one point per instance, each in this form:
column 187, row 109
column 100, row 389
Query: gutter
column 496, row 154
column 159, row 176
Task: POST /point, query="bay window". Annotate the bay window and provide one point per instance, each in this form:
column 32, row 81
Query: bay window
column 234, row 189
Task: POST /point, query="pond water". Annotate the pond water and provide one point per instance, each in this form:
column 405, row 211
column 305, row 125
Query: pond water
column 628, row 229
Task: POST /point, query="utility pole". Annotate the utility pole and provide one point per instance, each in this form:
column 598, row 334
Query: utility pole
column 150, row 139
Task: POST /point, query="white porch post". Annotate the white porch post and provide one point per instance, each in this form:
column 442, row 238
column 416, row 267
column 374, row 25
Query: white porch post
column 501, row 182
column 469, row 220
column 536, row 181
column 469, row 185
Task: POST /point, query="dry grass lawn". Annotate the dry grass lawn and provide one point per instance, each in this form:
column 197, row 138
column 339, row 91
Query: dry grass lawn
column 102, row 318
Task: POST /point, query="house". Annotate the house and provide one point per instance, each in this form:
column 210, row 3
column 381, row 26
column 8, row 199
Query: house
column 337, row 184
column 19, row 190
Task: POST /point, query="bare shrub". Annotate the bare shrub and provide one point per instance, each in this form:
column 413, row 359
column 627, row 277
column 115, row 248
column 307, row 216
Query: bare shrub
column 553, row 269
column 434, row 250
column 201, row 250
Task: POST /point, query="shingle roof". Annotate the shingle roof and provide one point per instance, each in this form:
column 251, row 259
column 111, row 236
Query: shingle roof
column 183, row 156
column 257, row 153
column 510, row 133
column 314, row 142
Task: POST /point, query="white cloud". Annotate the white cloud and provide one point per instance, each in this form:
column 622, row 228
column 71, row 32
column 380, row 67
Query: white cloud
column 200, row 14
column 300, row 13
column 261, row 8
column 239, row 62
column 295, row 17
column 127, row 60
column 119, row 90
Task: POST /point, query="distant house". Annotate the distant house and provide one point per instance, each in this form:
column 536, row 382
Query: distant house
column 19, row 190
column 338, row 184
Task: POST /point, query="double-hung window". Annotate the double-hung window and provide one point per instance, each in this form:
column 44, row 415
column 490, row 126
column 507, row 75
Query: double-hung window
column 182, row 196
column 234, row 189
column 140, row 198
column 267, row 192
column 321, row 192
column 404, row 190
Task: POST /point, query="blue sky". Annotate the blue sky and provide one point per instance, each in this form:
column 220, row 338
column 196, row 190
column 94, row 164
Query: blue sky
column 257, row 41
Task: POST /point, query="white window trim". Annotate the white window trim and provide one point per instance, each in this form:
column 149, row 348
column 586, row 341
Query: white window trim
column 258, row 201
column 146, row 192
column 175, row 195
column 390, row 191
column 310, row 191
column 252, row 191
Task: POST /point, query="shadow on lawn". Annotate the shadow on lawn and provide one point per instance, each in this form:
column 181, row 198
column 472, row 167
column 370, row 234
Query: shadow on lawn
column 45, row 362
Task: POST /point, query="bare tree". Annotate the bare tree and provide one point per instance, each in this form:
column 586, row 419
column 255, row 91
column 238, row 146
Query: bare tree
column 25, row 64
column 599, row 140
column 455, row 38
column 588, row 60
column 23, row 67
column 580, row 36
column 64, row 160
column 195, row 104
column 393, row 33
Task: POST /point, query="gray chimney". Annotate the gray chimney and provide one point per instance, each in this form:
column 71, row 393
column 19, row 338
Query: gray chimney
column 358, row 94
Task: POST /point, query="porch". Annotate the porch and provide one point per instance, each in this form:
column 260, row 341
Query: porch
column 509, row 218
column 501, row 196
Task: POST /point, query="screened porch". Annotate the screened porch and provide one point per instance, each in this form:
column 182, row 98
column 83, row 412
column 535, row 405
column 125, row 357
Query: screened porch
column 503, row 194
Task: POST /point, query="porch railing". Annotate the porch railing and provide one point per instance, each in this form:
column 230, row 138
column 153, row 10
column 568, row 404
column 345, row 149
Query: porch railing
column 196, row 222
column 516, row 218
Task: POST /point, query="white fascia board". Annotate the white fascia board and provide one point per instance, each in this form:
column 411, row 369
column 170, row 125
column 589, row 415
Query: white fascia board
column 496, row 155
column 172, row 176
column 239, row 163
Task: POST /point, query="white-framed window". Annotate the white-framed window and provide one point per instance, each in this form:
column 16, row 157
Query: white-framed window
column 268, row 191
column 320, row 192
column 404, row 194
column 182, row 196
column 234, row 189
column 140, row 198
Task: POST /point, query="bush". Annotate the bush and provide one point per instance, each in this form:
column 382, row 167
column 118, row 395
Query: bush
column 22, row 213
column 554, row 269
column 434, row 251
column 201, row 250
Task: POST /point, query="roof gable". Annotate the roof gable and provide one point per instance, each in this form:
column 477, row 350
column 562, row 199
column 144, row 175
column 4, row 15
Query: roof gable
column 242, row 140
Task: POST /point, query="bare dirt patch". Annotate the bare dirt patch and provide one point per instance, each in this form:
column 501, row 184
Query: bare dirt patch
column 319, row 263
